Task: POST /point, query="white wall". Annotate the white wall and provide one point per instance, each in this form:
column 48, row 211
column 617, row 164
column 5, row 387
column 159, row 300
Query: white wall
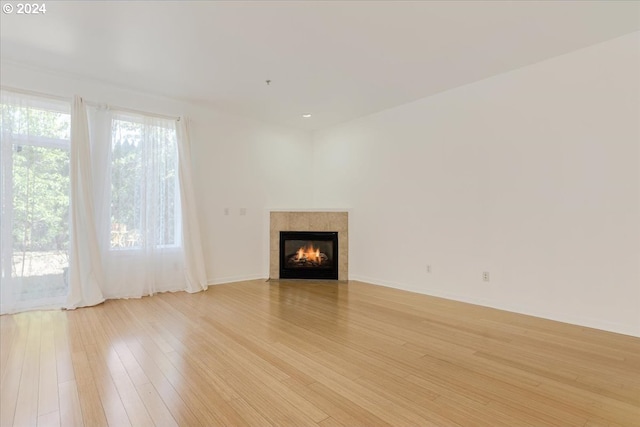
column 238, row 163
column 532, row 175
column 246, row 165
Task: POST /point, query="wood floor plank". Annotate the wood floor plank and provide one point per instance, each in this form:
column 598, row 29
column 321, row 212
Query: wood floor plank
column 305, row 353
column 13, row 371
column 136, row 410
column 64, row 363
column 266, row 404
column 51, row 419
column 8, row 332
column 27, row 403
column 252, row 416
column 342, row 410
column 155, row 406
column 48, row 381
column 70, row 410
column 104, row 362
column 388, row 410
column 170, row 396
column 87, row 392
column 330, row 422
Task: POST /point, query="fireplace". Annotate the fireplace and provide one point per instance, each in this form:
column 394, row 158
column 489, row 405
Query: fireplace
column 309, row 255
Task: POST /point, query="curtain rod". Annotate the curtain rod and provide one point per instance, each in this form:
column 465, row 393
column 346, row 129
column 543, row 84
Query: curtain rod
column 91, row 103
column 33, row 93
column 130, row 110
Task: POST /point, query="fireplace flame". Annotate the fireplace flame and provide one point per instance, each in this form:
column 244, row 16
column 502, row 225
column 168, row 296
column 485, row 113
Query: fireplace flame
column 308, row 253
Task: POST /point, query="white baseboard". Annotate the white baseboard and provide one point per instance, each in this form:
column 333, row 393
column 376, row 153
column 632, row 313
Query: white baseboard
column 588, row 322
column 233, row 279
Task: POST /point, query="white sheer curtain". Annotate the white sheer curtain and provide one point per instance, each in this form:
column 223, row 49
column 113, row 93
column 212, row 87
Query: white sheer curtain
column 140, row 212
column 95, row 204
column 35, row 202
column 85, row 276
column 194, row 262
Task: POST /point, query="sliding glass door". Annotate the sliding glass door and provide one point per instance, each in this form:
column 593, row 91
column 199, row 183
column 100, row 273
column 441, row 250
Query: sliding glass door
column 35, row 202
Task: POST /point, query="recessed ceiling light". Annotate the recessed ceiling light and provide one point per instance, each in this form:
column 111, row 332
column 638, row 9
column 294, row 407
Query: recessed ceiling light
column 306, row 115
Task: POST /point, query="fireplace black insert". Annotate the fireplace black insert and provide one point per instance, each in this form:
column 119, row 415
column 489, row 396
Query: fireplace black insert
column 309, row 255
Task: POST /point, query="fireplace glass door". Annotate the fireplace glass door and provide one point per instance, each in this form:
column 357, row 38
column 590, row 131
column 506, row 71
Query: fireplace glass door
column 308, row 255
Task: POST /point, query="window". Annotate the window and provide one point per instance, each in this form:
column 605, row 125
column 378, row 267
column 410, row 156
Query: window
column 124, row 211
column 145, row 203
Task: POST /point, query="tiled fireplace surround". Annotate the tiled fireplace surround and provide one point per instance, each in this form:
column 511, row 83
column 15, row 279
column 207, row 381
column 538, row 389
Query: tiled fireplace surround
column 309, row 221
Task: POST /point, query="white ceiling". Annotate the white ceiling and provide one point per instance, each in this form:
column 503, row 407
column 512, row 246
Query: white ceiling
column 337, row 60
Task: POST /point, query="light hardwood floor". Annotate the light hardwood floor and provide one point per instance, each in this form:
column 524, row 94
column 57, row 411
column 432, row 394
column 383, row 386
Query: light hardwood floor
column 305, row 354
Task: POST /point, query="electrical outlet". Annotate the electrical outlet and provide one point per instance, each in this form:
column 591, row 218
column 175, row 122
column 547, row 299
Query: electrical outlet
column 243, row 211
column 485, row 276
column 428, row 268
